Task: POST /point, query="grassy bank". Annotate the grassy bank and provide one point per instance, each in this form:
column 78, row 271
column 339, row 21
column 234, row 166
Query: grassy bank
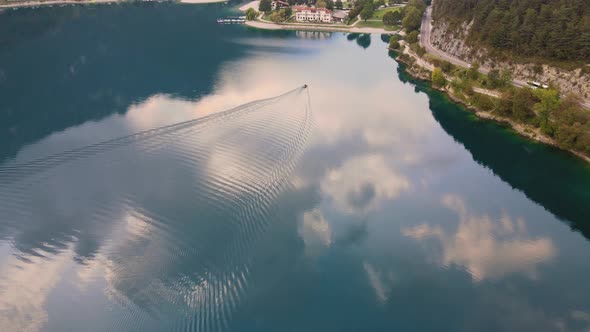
column 376, row 24
column 380, row 12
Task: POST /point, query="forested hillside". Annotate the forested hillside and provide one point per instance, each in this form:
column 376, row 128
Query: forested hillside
column 553, row 29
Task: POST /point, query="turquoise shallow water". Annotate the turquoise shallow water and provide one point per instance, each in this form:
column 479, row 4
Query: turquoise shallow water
column 367, row 202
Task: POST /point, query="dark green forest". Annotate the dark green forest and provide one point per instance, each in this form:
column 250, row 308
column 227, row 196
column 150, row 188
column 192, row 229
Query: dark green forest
column 552, row 29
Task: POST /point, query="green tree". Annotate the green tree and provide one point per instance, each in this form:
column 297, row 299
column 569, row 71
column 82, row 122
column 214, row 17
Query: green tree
column 394, row 42
column 389, row 19
column 418, row 4
column 571, row 111
column 438, row 78
column 330, row 4
column 321, row 4
column 420, row 50
column 277, row 16
column 265, row 6
column 412, row 19
column 446, row 66
column 338, row 4
column 467, row 86
column 288, row 12
column 566, row 135
column 548, row 103
column 572, row 124
column 354, row 12
column 251, row 14
column 412, row 37
column 522, row 104
column 367, row 11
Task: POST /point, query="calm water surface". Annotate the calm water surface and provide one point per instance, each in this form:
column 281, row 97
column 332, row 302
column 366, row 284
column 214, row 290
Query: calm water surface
column 367, row 202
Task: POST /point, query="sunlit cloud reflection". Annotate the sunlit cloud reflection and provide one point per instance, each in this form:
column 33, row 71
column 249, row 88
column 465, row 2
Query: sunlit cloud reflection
column 380, row 281
column 363, row 182
column 486, row 247
column 24, row 289
column 315, row 231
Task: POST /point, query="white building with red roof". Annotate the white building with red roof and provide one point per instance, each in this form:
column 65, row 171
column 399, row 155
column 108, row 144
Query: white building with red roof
column 312, row 14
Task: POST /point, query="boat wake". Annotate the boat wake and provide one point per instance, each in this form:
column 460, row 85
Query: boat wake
column 194, row 198
column 12, row 173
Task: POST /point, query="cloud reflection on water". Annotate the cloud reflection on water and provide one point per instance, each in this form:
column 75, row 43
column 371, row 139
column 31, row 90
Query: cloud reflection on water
column 315, row 231
column 24, row 288
column 362, row 183
column 487, row 248
column 376, row 144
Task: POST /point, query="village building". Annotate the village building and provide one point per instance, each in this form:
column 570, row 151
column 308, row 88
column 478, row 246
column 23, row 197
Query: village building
column 311, row 14
column 276, row 5
column 339, row 16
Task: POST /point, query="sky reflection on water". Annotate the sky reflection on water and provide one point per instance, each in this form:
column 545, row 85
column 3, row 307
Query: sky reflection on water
column 386, row 221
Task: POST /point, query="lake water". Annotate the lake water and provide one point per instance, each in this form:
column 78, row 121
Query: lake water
column 367, row 202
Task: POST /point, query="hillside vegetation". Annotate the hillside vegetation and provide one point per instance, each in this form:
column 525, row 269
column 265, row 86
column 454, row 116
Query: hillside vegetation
column 552, row 29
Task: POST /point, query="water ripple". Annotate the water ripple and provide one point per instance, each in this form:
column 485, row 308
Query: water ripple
column 203, row 195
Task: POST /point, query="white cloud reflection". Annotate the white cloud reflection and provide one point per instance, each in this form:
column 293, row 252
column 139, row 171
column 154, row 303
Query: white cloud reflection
column 363, row 182
column 315, row 231
column 380, row 281
column 487, row 248
column 24, row 289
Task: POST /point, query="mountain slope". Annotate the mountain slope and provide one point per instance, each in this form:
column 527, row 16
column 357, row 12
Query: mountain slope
column 552, row 29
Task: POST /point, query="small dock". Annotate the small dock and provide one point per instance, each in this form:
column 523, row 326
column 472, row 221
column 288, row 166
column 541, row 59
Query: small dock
column 232, row 20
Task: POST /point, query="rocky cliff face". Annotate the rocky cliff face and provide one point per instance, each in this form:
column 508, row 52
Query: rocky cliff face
column 453, row 42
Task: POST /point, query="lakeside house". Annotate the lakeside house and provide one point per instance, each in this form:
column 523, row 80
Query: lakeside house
column 339, row 16
column 312, row 14
column 278, row 4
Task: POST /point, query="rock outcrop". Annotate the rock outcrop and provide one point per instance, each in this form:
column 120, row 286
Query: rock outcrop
column 454, row 42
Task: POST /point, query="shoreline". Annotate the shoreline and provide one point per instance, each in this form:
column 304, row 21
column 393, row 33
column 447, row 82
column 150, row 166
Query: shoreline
column 27, row 4
column 267, row 25
column 201, row 1
column 307, row 27
column 523, row 130
column 252, row 4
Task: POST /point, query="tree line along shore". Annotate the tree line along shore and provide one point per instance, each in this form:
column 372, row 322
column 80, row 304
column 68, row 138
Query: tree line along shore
column 538, row 112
